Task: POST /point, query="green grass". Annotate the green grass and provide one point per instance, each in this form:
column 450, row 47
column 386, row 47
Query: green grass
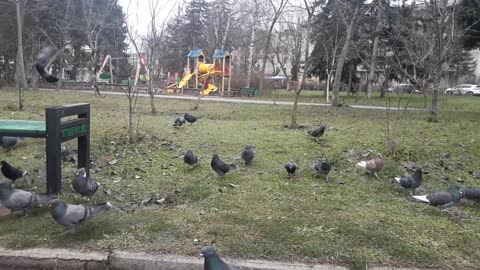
column 463, row 103
column 363, row 221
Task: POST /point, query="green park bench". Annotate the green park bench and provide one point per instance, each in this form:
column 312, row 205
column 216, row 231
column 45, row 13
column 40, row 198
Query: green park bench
column 56, row 131
column 248, row 92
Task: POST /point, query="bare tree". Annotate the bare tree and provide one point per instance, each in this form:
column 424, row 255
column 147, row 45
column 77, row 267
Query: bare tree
column 277, row 7
column 251, row 46
column 94, row 24
column 376, row 40
column 349, row 20
column 310, row 9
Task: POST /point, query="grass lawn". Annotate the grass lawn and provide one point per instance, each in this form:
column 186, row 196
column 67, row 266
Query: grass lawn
column 353, row 219
column 463, row 103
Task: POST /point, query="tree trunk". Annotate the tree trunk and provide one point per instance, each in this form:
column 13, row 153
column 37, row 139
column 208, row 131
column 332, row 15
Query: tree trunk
column 251, row 50
column 371, row 73
column 341, row 60
column 294, row 112
column 227, row 28
column 265, row 57
column 152, row 96
column 21, row 78
column 434, row 110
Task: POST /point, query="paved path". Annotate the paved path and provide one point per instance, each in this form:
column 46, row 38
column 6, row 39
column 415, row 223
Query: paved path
column 230, row 100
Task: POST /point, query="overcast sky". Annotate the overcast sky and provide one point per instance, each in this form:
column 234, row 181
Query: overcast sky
column 138, row 12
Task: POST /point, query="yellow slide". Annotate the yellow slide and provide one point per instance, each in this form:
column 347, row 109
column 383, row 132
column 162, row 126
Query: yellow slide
column 185, row 80
column 210, row 88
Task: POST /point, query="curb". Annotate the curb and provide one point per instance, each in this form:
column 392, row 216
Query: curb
column 59, row 259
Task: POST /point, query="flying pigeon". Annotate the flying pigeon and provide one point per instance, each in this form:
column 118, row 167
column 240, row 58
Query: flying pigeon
column 442, row 199
column 318, row 132
column 11, row 172
column 411, row 182
column 72, row 215
column 84, row 185
column 190, row 118
column 8, row 142
column 472, row 194
column 373, row 166
column 21, row 200
column 212, row 261
column 291, row 168
column 190, row 158
column 220, row 167
column 44, row 59
column 248, row 154
column 65, row 152
column 179, row 122
column 323, row 167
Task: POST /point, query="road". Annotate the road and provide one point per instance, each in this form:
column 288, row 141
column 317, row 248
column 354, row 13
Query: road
column 230, row 100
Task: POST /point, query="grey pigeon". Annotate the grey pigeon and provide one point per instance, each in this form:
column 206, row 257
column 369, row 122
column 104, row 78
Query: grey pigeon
column 212, row 261
column 373, row 166
column 472, row 194
column 179, row 122
column 9, row 142
column 190, row 118
column 291, row 168
column 84, row 185
column 411, row 182
column 11, row 172
column 65, row 152
column 44, row 59
column 221, row 167
column 318, row 132
column 72, row 215
column 21, row 200
column 190, row 158
column 322, row 167
column 442, row 199
column 248, row 154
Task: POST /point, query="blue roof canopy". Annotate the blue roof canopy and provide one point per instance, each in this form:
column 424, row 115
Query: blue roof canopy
column 220, row 54
column 195, row 53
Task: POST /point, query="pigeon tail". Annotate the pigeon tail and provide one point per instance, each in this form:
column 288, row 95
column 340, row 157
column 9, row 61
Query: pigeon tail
column 99, row 208
column 44, row 199
column 397, row 179
column 422, row 198
column 362, row 164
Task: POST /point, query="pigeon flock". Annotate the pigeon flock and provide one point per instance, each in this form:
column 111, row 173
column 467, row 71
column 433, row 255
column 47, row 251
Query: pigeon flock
column 71, row 216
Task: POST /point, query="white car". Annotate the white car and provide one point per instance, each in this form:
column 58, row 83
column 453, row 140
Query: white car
column 464, row 89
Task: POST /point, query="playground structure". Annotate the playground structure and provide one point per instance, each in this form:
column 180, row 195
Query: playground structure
column 108, row 77
column 206, row 75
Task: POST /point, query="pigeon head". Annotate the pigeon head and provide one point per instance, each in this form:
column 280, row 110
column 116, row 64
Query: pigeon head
column 81, row 172
column 207, row 251
column 5, row 184
column 215, row 156
column 3, row 162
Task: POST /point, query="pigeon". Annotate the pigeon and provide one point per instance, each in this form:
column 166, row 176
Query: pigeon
column 44, row 59
column 373, row 166
column 9, row 142
column 323, row 167
column 442, row 199
column 11, row 172
column 65, row 152
column 190, row 118
column 411, row 182
column 318, row 132
column 291, row 168
column 212, row 261
column 84, row 185
column 472, row 194
column 248, row 154
column 72, row 215
column 21, row 200
column 190, row 158
column 220, row 167
column 179, row 122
